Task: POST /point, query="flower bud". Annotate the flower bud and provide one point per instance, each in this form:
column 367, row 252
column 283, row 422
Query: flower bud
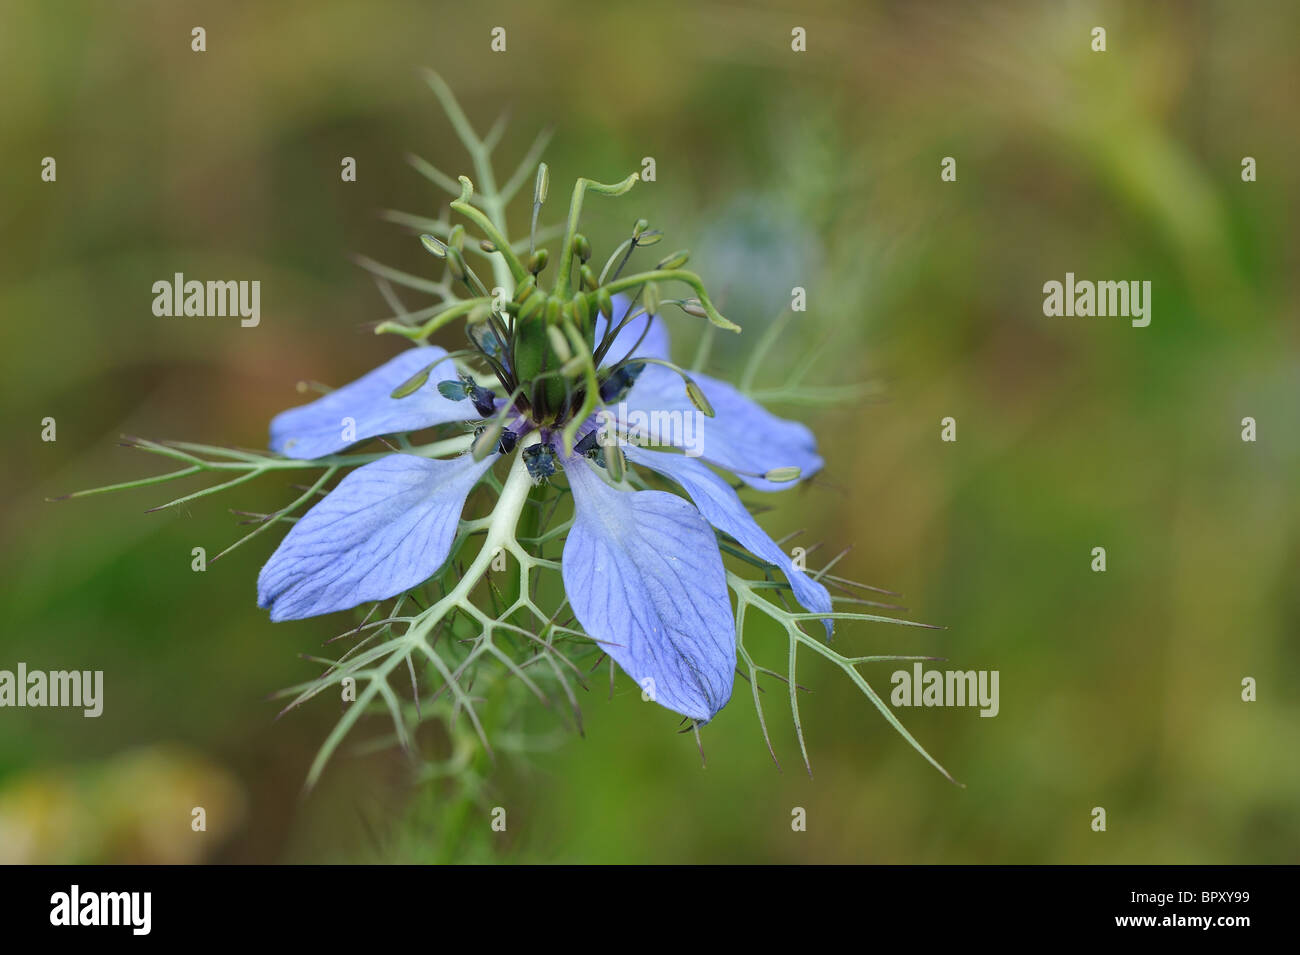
column 412, row 384
column 582, row 313
column 526, row 288
column 694, row 392
column 531, row 305
column 676, row 260
column 782, row 475
column 604, row 302
column 456, row 265
column 581, row 247
column 542, row 184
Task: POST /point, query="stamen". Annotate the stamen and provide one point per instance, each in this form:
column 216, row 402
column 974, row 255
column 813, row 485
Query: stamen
column 540, row 461
column 540, row 188
column 452, row 389
column 414, row 383
column 620, row 382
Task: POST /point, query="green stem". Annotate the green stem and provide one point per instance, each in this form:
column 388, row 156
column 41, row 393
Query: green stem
column 528, row 527
column 481, row 154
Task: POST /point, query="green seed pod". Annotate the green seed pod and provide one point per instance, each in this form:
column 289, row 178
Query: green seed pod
column 535, row 354
column 532, row 346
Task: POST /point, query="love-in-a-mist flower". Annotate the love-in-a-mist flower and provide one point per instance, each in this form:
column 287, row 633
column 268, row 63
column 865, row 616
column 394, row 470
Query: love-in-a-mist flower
column 567, row 409
column 642, row 569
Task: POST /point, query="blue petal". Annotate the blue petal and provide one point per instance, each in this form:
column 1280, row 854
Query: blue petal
column 653, row 345
column 365, row 408
column 642, row 572
column 722, row 508
column 386, row 528
column 743, row 436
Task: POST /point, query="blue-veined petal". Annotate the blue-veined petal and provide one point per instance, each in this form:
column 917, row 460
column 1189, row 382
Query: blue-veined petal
column 630, row 340
column 722, row 508
column 386, row 528
column 743, row 436
column 365, row 408
column 642, row 572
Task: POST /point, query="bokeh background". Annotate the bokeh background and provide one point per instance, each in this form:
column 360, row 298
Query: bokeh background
column 819, row 169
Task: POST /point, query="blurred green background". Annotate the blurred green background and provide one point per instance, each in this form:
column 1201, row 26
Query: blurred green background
column 818, row 169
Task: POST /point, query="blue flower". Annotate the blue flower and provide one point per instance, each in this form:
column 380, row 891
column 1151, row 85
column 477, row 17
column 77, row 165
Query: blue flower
column 641, row 568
